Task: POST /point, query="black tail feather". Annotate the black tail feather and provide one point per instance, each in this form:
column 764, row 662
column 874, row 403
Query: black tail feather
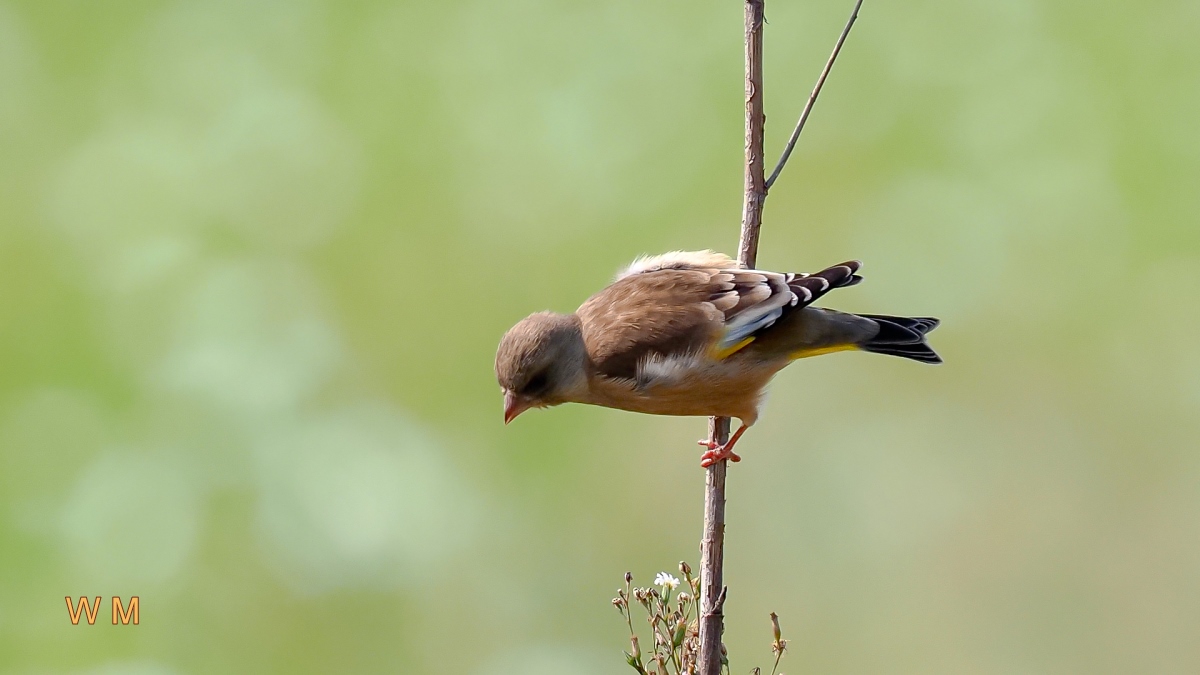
column 902, row 336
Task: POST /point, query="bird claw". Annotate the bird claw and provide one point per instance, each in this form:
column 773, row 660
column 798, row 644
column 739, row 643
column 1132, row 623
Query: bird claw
column 716, row 453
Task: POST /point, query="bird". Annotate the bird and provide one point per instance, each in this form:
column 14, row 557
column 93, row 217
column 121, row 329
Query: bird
column 692, row 333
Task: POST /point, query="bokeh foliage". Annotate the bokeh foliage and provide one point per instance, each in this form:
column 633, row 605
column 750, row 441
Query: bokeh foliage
column 255, row 257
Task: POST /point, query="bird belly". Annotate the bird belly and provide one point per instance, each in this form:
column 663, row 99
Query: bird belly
column 725, row 390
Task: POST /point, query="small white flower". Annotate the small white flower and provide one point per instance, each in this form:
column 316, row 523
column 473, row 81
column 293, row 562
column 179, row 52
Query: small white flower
column 666, row 581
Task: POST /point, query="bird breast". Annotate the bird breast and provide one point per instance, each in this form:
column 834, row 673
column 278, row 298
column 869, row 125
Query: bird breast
column 687, row 386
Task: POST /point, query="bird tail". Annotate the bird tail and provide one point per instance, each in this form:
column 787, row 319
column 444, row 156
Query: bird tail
column 902, row 336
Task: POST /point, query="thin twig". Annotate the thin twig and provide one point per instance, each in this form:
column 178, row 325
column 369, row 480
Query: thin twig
column 712, row 545
column 812, row 98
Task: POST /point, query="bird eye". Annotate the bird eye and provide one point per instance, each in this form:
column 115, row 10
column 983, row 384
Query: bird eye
column 536, row 385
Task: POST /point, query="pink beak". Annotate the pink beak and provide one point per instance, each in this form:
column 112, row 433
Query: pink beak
column 513, row 406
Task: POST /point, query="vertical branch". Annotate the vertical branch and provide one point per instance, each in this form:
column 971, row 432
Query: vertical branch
column 755, row 187
column 712, row 545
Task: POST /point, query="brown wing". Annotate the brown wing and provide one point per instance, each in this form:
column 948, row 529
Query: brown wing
column 663, row 312
column 692, row 307
column 753, row 300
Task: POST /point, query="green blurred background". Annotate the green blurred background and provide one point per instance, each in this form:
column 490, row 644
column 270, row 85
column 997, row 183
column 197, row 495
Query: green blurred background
column 255, row 258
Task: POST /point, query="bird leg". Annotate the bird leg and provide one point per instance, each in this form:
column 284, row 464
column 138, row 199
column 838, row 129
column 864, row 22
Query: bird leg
column 717, row 452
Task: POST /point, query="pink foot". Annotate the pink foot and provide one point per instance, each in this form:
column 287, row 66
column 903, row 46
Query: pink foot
column 717, row 453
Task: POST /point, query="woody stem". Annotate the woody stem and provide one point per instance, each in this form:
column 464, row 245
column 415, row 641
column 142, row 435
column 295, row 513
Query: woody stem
column 712, row 544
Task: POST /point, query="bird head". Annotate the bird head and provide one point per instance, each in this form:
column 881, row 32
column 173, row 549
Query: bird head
column 540, row 363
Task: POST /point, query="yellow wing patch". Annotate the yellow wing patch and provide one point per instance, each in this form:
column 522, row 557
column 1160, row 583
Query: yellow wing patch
column 805, row 353
column 720, row 354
